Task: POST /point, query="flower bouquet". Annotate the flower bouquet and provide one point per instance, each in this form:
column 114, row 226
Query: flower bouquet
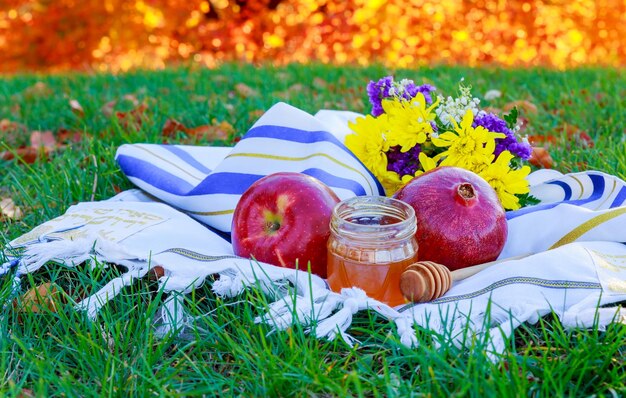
column 412, row 129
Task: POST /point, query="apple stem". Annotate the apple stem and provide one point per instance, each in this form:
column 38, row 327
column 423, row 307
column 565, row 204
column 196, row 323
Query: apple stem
column 466, row 193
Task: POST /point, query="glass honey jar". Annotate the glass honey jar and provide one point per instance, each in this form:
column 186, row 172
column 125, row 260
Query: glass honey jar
column 372, row 241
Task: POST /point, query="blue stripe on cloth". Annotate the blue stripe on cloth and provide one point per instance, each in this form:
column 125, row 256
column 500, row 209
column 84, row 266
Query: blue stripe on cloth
column 598, row 190
column 152, row 175
column 567, row 190
column 237, row 183
column 306, row 137
column 225, row 183
column 334, row 181
column 291, row 134
column 620, row 198
column 187, row 158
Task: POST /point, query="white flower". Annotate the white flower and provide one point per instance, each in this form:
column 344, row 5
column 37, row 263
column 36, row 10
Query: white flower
column 456, row 108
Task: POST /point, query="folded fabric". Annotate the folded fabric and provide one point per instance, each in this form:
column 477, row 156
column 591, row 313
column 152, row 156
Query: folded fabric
column 283, row 139
column 573, row 240
column 587, row 206
column 572, row 281
column 130, row 231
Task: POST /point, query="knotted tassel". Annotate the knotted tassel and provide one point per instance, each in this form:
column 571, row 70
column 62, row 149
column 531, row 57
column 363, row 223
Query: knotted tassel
column 353, row 300
column 171, row 316
column 92, row 304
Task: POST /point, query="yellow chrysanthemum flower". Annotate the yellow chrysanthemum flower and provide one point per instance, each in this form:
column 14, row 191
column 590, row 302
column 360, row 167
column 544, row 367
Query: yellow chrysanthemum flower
column 391, row 181
column 368, row 142
column 468, row 147
column 507, row 182
column 409, row 121
column 426, row 162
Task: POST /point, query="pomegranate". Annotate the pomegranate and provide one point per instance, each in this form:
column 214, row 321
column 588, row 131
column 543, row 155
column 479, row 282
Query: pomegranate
column 460, row 220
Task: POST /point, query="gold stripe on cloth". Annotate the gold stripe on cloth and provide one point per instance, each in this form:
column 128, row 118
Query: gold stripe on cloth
column 211, row 213
column 204, row 213
column 297, row 159
column 588, row 226
column 582, row 187
column 168, row 162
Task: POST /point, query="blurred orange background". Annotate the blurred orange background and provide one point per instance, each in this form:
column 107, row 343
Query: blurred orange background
column 117, row 35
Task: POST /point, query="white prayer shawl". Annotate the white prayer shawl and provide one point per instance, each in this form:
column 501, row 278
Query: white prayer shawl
column 574, row 239
column 283, row 139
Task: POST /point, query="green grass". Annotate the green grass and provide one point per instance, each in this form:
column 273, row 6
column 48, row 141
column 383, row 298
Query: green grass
column 64, row 354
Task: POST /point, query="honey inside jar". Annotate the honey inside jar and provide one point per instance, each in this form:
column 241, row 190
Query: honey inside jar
column 372, row 242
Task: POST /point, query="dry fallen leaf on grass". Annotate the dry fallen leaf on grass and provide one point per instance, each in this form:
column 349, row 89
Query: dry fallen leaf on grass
column 245, row 91
column 577, row 135
column 566, row 135
column 70, row 136
column 39, row 89
column 218, row 131
column 133, row 118
column 77, row 108
column 42, row 144
column 292, row 90
column 8, row 210
column 26, row 393
column 42, row 298
column 108, row 108
column 254, row 115
column 25, row 154
column 320, row 83
column 43, row 139
column 524, row 106
column 540, row 157
column 11, row 132
column 545, row 140
column 172, row 126
column 7, row 126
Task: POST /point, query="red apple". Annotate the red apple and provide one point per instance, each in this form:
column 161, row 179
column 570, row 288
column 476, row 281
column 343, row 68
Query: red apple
column 460, row 221
column 284, row 219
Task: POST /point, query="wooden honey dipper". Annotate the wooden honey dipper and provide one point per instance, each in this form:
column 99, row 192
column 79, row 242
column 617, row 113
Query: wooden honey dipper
column 425, row 281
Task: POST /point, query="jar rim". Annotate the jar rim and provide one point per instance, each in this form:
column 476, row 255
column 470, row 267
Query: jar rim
column 373, row 208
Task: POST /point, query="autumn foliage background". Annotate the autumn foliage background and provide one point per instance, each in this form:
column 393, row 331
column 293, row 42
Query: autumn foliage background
column 117, row 35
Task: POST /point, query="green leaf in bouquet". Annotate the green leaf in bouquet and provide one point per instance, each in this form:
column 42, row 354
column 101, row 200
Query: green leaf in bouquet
column 511, row 118
column 527, row 200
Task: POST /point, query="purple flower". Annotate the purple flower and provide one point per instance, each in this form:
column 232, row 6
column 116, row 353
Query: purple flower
column 494, row 124
column 412, row 90
column 435, row 127
column 377, row 91
column 388, row 88
column 403, row 163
